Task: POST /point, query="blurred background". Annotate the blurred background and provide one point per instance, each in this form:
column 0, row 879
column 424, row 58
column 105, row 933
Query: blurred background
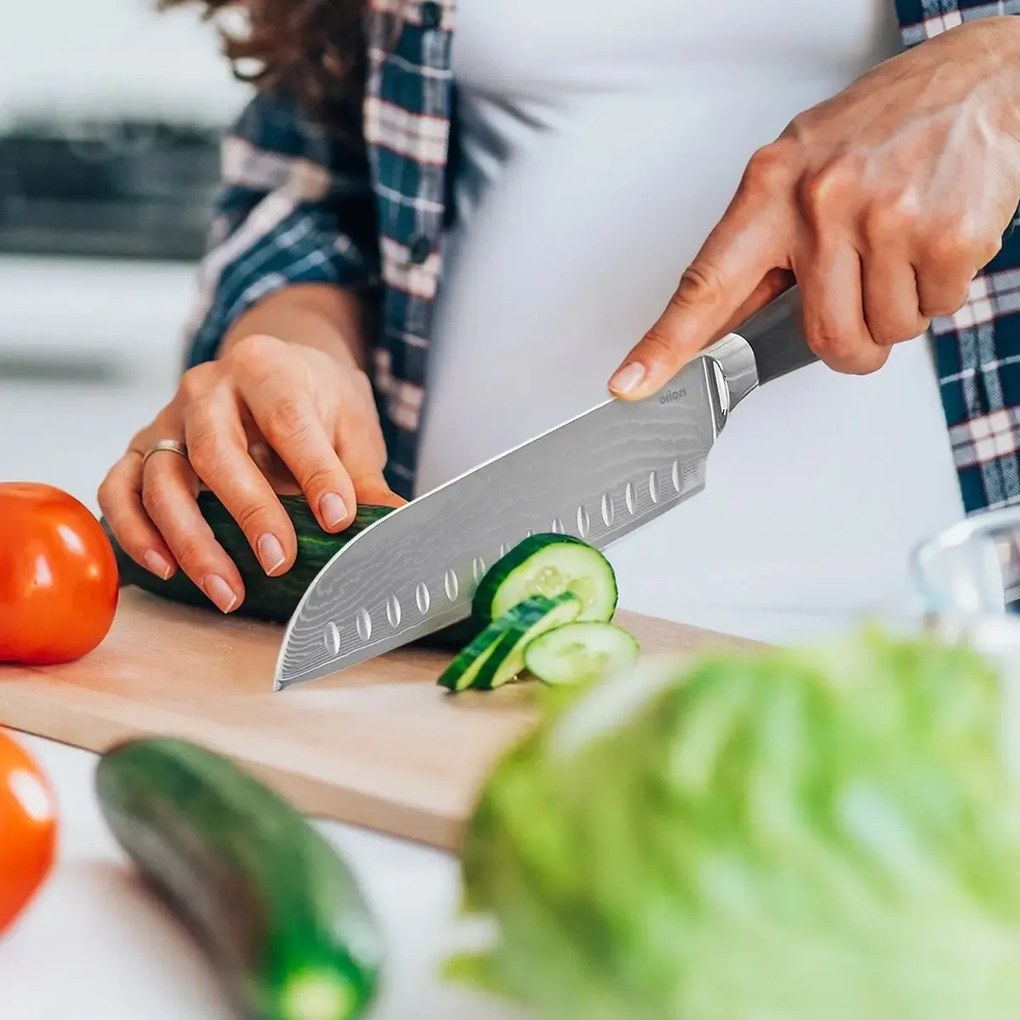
column 110, row 115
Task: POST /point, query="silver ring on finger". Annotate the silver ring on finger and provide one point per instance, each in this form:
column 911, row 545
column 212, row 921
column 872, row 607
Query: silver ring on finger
column 168, row 446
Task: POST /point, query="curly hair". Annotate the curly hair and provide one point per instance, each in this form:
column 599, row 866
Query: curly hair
column 312, row 49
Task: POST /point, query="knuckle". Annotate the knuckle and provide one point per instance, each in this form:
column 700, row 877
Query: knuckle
column 829, row 343
column 769, row 167
column 945, row 302
column 110, row 482
column 947, row 249
column 942, row 311
column 256, row 350
column 206, row 452
column 249, row 517
column 142, row 437
column 206, row 460
column 888, row 334
column 984, row 249
column 107, row 494
column 890, row 222
column 318, row 480
column 802, row 127
column 191, row 555
column 657, row 346
column 154, row 497
column 132, row 535
column 701, row 283
column 195, row 381
column 889, row 338
column 823, row 192
column 105, row 500
column 871, row 361
column 284, row 421
column 848, row 353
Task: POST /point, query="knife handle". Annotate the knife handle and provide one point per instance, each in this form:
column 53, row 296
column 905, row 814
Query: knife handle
column 776, row 336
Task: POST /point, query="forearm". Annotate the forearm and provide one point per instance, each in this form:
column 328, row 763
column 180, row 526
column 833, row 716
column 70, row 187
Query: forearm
column 329, row 318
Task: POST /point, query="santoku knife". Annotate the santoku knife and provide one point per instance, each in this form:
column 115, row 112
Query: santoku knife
column 598, row 477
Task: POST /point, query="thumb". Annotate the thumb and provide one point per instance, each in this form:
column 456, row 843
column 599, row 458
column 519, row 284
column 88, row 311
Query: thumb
column 372, row 490
column 772, row 284
column 734, row 270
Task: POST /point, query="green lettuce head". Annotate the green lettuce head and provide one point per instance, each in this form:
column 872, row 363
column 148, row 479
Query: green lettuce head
column 789, row 835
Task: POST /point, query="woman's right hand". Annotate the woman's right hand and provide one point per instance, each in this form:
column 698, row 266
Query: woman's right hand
column 308, row 416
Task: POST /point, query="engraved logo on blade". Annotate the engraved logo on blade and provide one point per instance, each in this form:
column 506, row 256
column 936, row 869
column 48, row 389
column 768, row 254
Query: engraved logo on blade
column 671, row 395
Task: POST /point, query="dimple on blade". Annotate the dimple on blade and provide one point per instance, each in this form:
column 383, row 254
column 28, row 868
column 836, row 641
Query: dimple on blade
column 414, row 572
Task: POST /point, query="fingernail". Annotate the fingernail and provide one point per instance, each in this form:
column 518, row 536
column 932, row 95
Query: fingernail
column 158, row 565
column 271, row 554
column 333, row 509
column 628, row 378
column 220, row 592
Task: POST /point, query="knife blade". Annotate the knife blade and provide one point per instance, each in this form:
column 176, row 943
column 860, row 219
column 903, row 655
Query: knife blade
column 598, row 477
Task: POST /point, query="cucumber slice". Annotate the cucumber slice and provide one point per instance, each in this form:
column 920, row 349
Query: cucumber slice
column 533, row 616
column 463, row 670
column 580, row 652
column 491, row 652
column 548, row 564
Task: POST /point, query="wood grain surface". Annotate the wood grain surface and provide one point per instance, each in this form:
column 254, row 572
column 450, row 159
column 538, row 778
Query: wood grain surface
column 379, row 745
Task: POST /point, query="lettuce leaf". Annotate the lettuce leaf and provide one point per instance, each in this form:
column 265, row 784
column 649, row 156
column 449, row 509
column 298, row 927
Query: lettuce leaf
column 826, row 834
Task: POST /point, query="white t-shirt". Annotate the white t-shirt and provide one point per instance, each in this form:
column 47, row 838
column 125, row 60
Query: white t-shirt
column 599, row 143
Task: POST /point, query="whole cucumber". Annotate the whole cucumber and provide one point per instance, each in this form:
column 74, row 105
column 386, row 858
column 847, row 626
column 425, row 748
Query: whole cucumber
column 279, row 914
column 266, row 598
column 271, row 599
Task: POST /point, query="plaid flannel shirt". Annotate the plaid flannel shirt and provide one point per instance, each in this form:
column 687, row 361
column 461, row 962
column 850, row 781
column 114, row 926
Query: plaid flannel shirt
column 300, row 206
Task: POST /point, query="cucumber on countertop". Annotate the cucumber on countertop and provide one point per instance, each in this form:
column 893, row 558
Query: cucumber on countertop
column 276, row 909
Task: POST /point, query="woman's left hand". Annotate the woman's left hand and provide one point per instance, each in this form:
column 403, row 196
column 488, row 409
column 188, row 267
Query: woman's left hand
column 883, row 204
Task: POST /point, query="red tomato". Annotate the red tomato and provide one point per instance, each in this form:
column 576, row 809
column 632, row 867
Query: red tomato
column 58, row 576
column 28, row 829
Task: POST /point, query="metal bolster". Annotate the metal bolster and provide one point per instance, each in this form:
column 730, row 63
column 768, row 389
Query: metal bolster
column 733, row 372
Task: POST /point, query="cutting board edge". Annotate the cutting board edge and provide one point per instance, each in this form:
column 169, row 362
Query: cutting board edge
column 312, row 796
column 166, row 669
column 706, row 635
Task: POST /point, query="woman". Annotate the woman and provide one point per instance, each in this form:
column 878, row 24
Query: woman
column 444, row 223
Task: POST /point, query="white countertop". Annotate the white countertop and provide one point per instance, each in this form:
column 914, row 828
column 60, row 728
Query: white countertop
column 95, row 946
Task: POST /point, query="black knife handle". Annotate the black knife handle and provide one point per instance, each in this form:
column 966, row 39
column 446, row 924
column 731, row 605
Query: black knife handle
column 776, row 335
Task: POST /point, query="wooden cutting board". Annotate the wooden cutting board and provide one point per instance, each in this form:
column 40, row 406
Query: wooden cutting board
column 380, row 745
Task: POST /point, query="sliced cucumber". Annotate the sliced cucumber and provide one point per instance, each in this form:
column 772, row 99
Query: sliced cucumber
column 580, row 652
column 548, row 564
column 533, row 616
column 484, row 663
column 463, row 670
